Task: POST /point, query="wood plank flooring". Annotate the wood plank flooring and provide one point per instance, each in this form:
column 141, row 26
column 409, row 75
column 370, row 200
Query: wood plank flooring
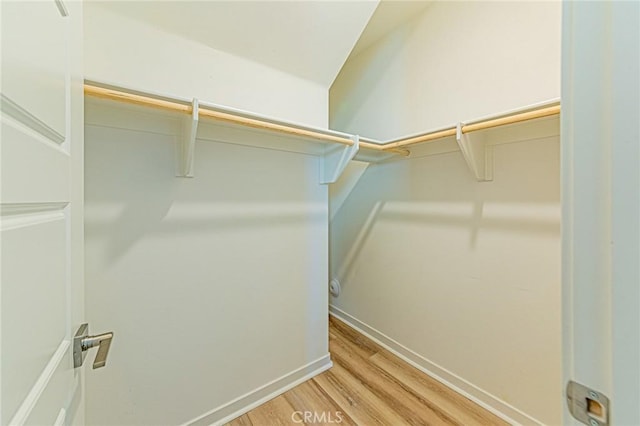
column 367, row 385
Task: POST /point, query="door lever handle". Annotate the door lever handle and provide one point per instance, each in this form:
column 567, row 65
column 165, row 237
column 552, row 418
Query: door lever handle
column 103, row 341
column 82, row 342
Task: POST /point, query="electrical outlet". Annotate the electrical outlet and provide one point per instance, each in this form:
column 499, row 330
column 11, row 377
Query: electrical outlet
column 334, row 287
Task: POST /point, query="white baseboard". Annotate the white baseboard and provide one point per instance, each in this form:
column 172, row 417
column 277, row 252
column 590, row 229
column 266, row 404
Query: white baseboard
column 233, row 409
column 484, row 399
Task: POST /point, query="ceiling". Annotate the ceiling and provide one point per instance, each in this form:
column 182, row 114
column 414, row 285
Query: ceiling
column 309, row 39
column 389, row 15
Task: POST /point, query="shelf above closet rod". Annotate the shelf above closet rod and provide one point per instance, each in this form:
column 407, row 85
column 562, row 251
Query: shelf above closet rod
column 472, row 147
column 480, row 125
column 138, row 99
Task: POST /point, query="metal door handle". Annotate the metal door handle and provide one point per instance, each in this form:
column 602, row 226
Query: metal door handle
column 82, row 342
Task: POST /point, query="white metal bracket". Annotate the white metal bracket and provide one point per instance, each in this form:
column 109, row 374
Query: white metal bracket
column 186, row 147
column 477, row 153
column 336, row 160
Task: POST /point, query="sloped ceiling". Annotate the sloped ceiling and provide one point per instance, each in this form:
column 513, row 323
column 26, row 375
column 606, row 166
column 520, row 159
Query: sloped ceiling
column 309, row 39
column 389, row 15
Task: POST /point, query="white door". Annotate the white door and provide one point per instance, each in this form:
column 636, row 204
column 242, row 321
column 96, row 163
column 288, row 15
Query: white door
column 601, row 206
column 41, row 211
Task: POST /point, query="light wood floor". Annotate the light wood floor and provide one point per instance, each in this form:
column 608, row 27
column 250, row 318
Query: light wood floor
column 367, row 385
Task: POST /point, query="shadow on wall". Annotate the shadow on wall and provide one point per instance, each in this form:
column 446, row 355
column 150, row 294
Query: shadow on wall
column 227, row 196
column 437, row 192
column 231, row 265
column 360, row 240
column 159, row 217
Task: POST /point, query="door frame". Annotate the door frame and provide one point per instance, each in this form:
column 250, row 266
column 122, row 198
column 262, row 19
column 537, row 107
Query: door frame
column 600, row 139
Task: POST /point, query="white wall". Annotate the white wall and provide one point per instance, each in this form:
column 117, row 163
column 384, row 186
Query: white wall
column 130, row 53
column 461, row 277
column 214, row 286
column 457, row 61
column 466, row 275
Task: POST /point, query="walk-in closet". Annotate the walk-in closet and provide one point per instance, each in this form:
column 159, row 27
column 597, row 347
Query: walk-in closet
column 320, row 212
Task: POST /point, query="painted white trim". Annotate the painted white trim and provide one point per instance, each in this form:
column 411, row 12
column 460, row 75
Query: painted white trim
column 103, row 113
column 484, row 399
column 542, row 104
column 513, row 111
column 62, row 9
column 13, row 216
column 220, row 108
column 62, row 416
column 29, row 120
column 41, row 384
column 262, row 394
column 539, row 130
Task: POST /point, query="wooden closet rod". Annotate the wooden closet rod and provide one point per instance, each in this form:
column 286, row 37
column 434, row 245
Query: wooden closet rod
column 101, row 92
column 397, row 146
column 481, row 125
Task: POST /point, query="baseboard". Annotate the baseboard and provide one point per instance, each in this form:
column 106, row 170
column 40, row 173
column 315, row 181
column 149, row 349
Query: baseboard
column 231, row 410
column 484, row 399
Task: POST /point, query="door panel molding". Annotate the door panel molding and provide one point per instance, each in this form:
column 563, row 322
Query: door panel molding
column 23, row 413
column 33, row 168
column 20, row 215
column 20, row 114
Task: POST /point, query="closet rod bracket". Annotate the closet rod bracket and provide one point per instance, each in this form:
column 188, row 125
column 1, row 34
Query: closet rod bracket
column 335, row 160
column 477, row 153
column 186, row 147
